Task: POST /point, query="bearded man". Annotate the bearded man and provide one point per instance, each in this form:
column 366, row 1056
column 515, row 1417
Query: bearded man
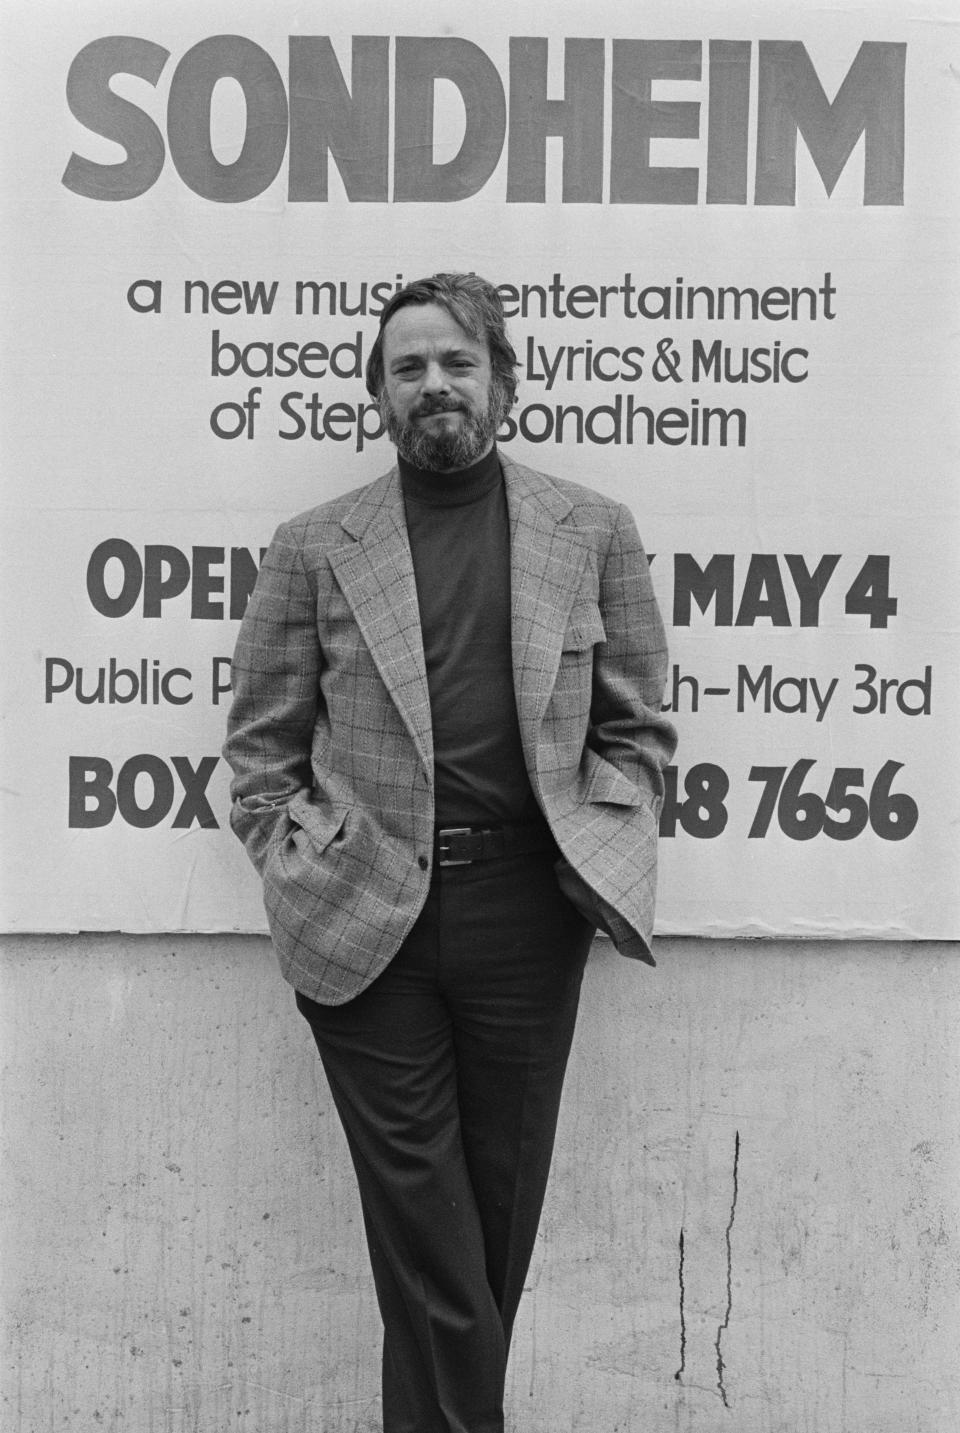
column 448, row 747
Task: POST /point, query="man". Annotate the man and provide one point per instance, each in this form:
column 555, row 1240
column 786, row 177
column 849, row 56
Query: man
column 448, row 752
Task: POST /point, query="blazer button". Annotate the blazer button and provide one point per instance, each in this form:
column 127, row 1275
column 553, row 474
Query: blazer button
column 422, row 862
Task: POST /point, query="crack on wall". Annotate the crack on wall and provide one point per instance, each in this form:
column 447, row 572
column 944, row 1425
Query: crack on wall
column 729, row 1309
column 683, row 1319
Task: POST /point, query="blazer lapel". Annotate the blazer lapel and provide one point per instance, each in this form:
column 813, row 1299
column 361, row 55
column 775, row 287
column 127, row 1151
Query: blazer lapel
column 375, row 573
column 546, row 567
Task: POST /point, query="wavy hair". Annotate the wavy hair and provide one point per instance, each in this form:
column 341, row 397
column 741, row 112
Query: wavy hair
column 471, row 302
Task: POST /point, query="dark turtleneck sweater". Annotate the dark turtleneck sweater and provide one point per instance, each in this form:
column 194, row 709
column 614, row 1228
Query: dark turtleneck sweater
column 460, row 541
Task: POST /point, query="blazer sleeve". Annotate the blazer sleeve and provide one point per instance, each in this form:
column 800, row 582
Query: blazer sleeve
column 627, row 727
column 275, row 677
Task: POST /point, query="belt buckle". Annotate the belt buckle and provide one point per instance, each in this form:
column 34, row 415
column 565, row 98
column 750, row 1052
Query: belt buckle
column 443, row 844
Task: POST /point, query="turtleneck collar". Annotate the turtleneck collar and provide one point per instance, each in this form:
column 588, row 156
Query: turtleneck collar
column 450, row 489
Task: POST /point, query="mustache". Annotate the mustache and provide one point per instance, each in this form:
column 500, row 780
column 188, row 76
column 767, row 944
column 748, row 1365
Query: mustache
column 428, row 406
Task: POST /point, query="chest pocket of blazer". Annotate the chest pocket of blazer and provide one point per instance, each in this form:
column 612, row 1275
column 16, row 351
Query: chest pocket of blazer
column 584, row 628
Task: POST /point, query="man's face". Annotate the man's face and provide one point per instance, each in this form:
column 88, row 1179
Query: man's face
column 439, row 401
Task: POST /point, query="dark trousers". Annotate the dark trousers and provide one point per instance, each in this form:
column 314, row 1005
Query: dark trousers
column 447, row 1074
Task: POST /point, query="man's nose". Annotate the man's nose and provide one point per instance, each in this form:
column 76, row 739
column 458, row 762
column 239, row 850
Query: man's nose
column 434, row 378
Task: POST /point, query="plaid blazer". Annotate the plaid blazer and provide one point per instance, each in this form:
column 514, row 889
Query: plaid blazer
column 330, row 738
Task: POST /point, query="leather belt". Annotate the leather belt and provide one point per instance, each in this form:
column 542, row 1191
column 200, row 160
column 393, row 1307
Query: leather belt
column 461, row 845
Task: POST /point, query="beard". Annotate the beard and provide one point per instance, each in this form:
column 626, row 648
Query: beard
column 449, row 448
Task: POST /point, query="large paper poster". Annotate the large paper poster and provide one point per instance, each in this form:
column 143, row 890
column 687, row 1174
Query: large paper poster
column 726, row 238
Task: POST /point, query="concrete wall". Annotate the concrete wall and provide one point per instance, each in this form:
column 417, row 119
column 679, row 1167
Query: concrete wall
column 752, row 1224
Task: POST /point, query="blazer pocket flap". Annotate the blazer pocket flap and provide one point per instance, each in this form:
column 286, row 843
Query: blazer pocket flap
column 319, row 823
column 605, row 782
column 584, row 628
